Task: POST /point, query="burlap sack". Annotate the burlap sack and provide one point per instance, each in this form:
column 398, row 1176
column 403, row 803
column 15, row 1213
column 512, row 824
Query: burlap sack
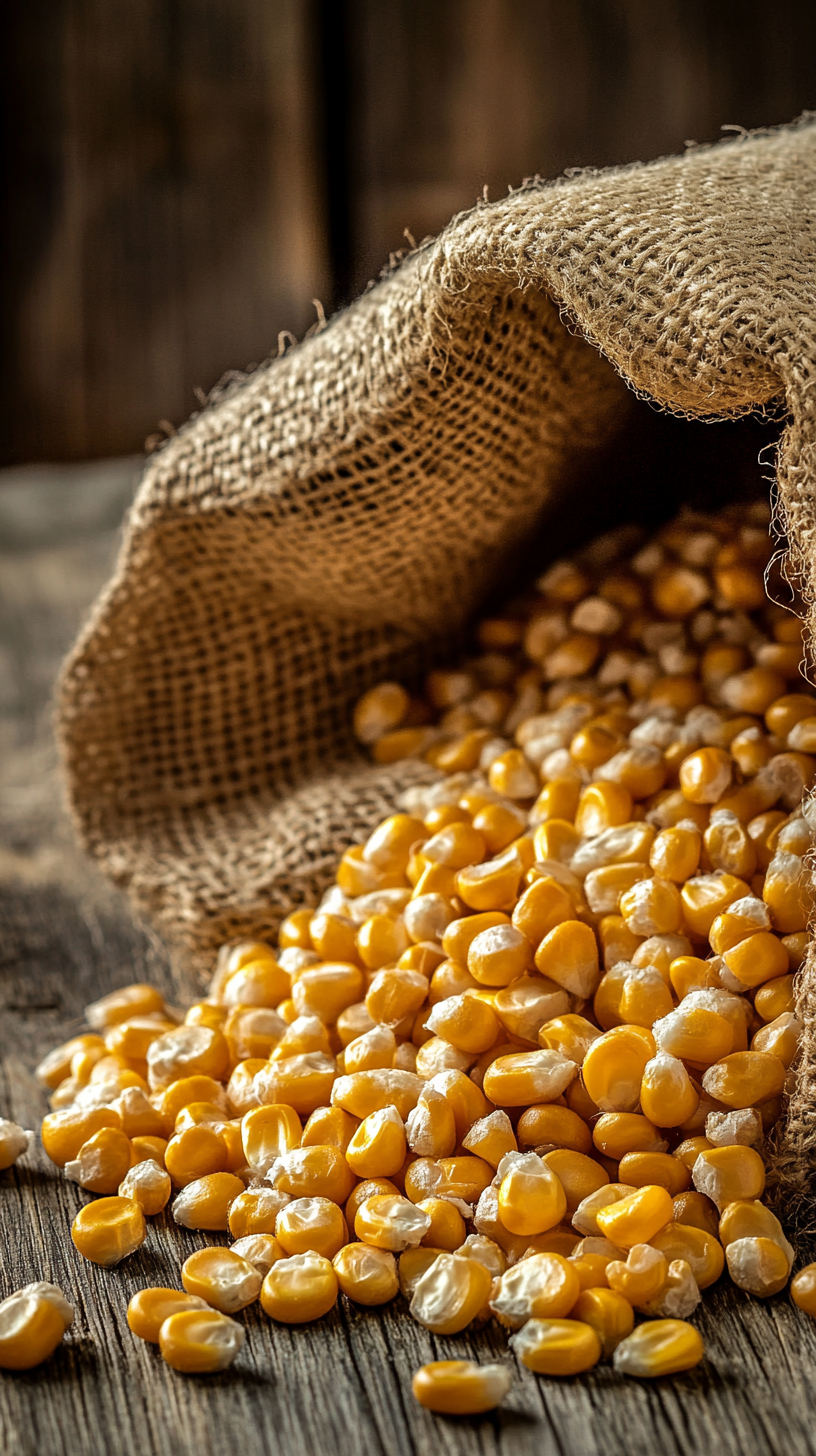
column 338, row 516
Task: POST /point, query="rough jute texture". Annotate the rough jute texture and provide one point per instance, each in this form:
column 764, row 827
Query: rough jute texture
column 339, row 515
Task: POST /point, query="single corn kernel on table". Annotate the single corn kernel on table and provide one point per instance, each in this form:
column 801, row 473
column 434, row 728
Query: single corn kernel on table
column 343, row 1383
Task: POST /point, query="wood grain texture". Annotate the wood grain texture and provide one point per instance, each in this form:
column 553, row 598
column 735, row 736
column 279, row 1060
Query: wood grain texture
column 342, row 1386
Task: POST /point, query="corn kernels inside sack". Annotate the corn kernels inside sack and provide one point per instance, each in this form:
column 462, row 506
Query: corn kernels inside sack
column 520, row 1062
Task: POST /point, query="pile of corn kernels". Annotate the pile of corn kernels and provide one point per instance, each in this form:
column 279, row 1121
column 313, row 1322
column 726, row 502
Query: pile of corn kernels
column 520, row 1062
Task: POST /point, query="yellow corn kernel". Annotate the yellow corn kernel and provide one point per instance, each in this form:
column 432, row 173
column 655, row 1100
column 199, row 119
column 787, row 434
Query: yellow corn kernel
column 311, row 1224
column 460, row 1387
column 655, row 1168
column 326, row 990
column 707, row 896
column 138, row 999
column 690, row 1149
column 729, row 1173
column 667, row 1095
column 378, row 1147
column 652, row 907
column 729, row 846
column 467, row 1022
column 645, row 998
column 267, row 1132
column 691, row 1207
column 294, row 930
column 618, row 943
column 608, row 1313
column 301, row 1035
column 578, row 1174
column 559, row 799
column 447, row 1228
column 531, row 1196
column 750, row 1219
column 787, row 893
column 490, row 1138
column 775, row 998
column 106, row 1231
column 333, row 937
column 459, row 934
column 328, row 1126
column 365, row 1274
column 568, row 955
column 394, row 995
column 194, row 1153
column 555, row 842
column 255, row 1211
column 694, row 1034
column 557, row 1346
column 605, row 888
column 33, row 1321
column 379, row 711
column 375, row 1048
column 390, row 845
column 745, row 1078
column 260, row 983
column 102, row 1162
column 512, row 775
column 188, row 1090
column 319, row 1171
column 550, row 1126
column 147, row 1184
column 688, row 973
column 758, row 1265
column 149, row 1308
column 705, row 775
column 463, row 1177
column 543, row 1286
column 522, row 1078
column 617, row 1133
column 303, row 1082
column 148, row 1148
column 571, row 1035
column 64, row 1132
column 524, row 1005
column 187, row 1051
column 450, row 1294
column 130, row 1039
column 491, row 885
column 780, row 1038
column 796, row 947
column 367, row 1092
column 675, row 853
column 200, row 1342
column 659, row 1347
column 637, row 1218
column 752, row 691
column 388, row 1221
column 431, row 1126
column 602, row 806
column 301, row 1288
column 499, row 825
column 355, row 876
column 498, row 955
column 803, row 1289
column 412, row 1264
column 642, row 1277
column 613, row 1067
column 590, row 1268
column 205, row 1204
column 222, row 1278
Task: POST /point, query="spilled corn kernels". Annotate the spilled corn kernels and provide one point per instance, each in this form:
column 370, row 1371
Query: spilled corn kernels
column 520, row 1061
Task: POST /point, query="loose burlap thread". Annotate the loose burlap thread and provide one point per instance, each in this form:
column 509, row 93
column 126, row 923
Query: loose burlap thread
column 338, row 516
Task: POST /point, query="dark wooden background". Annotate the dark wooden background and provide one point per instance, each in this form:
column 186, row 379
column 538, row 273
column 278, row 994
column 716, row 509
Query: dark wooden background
column 180, row 178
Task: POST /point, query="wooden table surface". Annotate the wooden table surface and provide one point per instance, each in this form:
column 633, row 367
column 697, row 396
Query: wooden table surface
column 342, row 1386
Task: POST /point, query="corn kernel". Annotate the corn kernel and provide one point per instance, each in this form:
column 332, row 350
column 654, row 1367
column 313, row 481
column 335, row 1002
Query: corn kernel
column 460, row 1387
column 200, row 1342
column 451, row 1293
column 758, row 1265
column 526, row 1077
column 147, row 1184
column 613, row 1067
column 531, row 1196
column 205, row 1203
column 659, row 1347
column 311, row 1225
column 803, row 1289
column 557, row 1346
column 638, row 1217
column 391, row 1222
column 222, row 1278
column 33, row 1321
column 365, row 1274
column 106, row 1231
column 608, row 1314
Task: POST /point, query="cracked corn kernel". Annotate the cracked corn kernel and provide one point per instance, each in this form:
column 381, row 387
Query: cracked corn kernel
column 659, row 1347
column 301, row 1288
column 33, row 1321
column 557, row 1346
column 221, row 1277
column 106, row 1231
column 199, row 1342
column 460, row 1387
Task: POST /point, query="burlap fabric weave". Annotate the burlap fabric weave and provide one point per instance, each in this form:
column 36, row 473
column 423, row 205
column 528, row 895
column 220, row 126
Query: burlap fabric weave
column 338, row 516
